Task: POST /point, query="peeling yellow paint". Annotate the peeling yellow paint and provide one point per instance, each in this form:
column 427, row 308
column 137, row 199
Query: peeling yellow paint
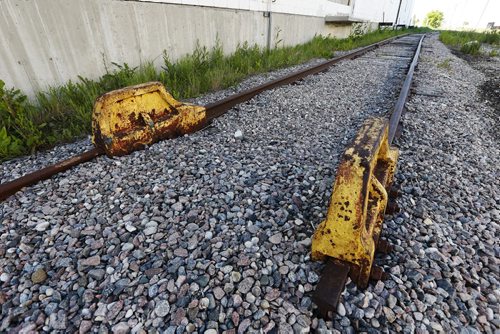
column 352, row 227
column 130, row 118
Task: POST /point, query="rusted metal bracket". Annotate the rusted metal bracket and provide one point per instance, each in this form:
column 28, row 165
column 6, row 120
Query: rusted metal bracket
column 352, row 228
column 349, row 236
column 130, row 118
column 330, row 287
column 383, row 247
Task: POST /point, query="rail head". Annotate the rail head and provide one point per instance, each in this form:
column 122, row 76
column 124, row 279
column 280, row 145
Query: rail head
column 397, row 112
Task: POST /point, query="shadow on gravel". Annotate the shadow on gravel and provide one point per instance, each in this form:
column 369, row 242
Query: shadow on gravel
column 489, row 90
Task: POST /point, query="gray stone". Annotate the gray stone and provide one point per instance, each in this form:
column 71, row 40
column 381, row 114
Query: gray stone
column 162, row 308
column 245, row 285
column 218, row 293
column 389, row 314
column 276, row 238
column 91, row 261
column 97, row 274
column 120, row 328
column 341, row 310
column 40, row 227
column 235, row 276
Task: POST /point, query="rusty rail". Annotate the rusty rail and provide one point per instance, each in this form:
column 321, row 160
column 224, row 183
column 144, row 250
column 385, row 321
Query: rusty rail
column 213, row 110
column 403, row 95
column 335, row 273
column 218, row 108
column 9, row 188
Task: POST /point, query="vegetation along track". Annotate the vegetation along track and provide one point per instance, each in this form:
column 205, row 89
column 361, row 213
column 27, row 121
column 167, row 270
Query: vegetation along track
column 204, row 231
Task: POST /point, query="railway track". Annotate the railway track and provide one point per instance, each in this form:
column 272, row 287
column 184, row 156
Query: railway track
column 226, row 202
column 213, row 110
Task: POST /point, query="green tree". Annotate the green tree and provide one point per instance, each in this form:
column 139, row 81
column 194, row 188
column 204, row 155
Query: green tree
column 434, row 19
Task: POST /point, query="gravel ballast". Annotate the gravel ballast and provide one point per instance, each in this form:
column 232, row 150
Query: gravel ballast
column 211, row 232
column 450, row 181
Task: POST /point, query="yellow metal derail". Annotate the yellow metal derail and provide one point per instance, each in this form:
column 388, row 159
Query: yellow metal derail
column 128, row 119
column 352, row 227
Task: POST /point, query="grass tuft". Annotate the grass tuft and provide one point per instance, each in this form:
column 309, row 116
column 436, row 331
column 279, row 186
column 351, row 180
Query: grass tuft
column 469, row 42
column 445, row 64
column 471, row 48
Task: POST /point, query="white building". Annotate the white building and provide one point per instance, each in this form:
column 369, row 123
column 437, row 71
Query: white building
column 46, row 43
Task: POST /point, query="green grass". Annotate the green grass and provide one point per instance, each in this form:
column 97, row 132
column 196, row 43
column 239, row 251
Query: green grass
column 445, row 64
column 469, row 42
column 63, row 113
column 493, row 53
column 471, row 48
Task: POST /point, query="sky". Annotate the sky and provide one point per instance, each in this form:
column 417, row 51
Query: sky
column 472, row 14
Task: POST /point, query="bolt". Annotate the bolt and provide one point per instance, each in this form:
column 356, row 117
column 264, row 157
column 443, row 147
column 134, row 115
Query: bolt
column 394, row 192
column 391, row 208
column 378, row 273
column 384, row 247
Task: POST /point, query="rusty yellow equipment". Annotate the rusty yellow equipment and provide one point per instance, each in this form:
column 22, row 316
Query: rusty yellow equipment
column 351, row 231
column 128, row 119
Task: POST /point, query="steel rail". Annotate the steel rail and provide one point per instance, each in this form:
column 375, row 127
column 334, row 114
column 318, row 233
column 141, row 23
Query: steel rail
column 218, row 108
column 10, row 188
column 213, row 110
column 335, row 273
column 403, row 94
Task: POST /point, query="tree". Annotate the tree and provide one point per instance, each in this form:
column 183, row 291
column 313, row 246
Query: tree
column 434, row 19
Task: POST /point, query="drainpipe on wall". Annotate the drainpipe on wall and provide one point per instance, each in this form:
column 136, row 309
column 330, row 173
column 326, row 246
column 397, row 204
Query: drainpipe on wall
column 397, row 15
column 353, row 3
column 269, row 23
column 269, row 29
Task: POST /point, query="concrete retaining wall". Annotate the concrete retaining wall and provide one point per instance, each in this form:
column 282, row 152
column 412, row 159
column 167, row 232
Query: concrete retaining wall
column 50, row 42
column 385, row 10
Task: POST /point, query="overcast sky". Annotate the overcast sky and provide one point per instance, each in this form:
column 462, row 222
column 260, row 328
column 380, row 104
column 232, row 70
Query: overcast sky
column 476, row 12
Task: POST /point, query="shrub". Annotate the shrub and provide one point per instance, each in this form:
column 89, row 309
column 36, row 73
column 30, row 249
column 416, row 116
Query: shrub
column 19, row 133
column 471, row 48
column 434, row 19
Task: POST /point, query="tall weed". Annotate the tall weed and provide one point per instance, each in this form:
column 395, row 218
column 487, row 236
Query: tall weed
column 469, row 42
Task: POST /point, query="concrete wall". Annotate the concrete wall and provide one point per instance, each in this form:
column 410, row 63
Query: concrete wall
column 384, row 10
column 295, row 29
column 46, row 42
column 49, row 42
column 298, row 7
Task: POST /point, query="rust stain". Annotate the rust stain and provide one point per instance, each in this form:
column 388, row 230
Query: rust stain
column 358, row 201
column 128, row 119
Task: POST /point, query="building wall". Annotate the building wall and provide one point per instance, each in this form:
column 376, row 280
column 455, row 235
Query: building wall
column 384, row 10
column 46, row 43
column 299, row 7
column 49, row 42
